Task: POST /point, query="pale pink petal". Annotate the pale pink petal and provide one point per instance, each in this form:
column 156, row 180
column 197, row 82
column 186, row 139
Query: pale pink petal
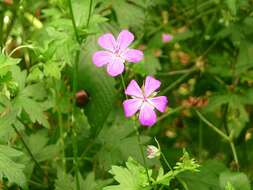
column 116, row 67
column 133, row 55
column 147, row 115
column 107, row 41
column 159, row 102
column 101, row 58
column 124, row 39
column 167, row 38
column 151, row 85
column 131, row 106
column 133, row 89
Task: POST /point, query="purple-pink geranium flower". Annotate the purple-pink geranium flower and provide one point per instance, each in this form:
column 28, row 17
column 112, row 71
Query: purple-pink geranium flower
column 116, row 52
column 144, row 100
column 166, row 37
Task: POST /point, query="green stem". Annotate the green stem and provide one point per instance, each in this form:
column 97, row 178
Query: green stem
column 200, row 139
column 26, row 147
column 212, row 126
column 232, row 145
column 174, row 84
column 223, row 135
column 170, row 113
column 166, row 162
column 142, row 152
column 73, row 21
column 123, row 84
column 177, row 72
column 89, row 14
column 1, row 29
column 74, row 86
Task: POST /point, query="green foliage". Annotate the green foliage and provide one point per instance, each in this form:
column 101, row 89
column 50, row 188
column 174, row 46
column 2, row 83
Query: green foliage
column 62, row 124
column 10, row 168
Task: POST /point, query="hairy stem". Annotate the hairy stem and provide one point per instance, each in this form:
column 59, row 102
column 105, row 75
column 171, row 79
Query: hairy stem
column 26, row 147
column 142, row 152
column 229, row 139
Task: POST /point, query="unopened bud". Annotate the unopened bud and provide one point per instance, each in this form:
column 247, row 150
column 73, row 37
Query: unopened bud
column 152, row 152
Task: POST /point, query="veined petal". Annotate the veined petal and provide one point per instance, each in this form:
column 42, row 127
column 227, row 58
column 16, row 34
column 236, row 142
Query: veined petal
column 159, row 102
column 133, row 55
column 107, row 41
column 124, row 39
column 147, row 115
column 131, row 106
column 133, row 89
column 151, row 85
column 116, row 67
column 101, row 58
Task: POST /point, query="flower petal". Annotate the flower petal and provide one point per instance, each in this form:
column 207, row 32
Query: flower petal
column 101, row 58
column 124, row 39
column 131, row 106
column 159, row 102
column 107, row 41
column 150, row 85
column 116, row 67
column 133, row 89
column 147, row 115
column 167, row 38
column 133, row 55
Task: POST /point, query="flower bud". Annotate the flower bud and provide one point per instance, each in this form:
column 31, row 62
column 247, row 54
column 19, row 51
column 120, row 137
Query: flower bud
column 152, row 152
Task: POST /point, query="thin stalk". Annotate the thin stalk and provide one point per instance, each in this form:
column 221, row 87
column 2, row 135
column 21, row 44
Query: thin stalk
column 89, row 14
column 73, row 21
column 20, row 47
column 232, row 145
column 60, row 124
column 26, row 147
column 200, row 139
column 170, row 113
column 142, row 152
column 74, row 86
column 212, row 126
column 177, row 72
column 229, row 139
column 166, row 162
column 174, row 84
column 123, row 84
column 1, row 28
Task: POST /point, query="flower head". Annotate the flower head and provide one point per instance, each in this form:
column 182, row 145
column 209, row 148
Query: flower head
column 144, row 100
column 116, row 52
column 166, row 37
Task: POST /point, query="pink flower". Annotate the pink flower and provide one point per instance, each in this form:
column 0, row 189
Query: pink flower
column 116, row 53
column 144, row 100
column 166, row 38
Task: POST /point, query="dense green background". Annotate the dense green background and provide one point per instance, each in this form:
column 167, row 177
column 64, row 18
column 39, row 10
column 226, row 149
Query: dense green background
column 47, row 142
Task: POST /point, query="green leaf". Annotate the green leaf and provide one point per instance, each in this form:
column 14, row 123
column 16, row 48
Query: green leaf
column 149, row 66
column 237, row 179
column 6, row 62
column 9, row 167
column 34, row 109
column 101, row 90
column 207, row 178
column 133, row 177
column 232, row 5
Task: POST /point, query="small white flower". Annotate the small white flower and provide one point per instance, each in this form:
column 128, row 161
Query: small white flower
column 152, row 152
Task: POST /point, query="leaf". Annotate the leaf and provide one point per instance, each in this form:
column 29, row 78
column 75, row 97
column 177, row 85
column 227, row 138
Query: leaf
column 100, row 88
column 237, row 179
column 149, row 66
column 34, row 109
column 118, row 150
column 232, row 5
column 9, row 167
column 207, row 178
column 6, row 62
column 133, row 177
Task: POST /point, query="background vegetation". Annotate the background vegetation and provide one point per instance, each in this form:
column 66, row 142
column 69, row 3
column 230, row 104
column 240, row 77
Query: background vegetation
column 53, row 138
